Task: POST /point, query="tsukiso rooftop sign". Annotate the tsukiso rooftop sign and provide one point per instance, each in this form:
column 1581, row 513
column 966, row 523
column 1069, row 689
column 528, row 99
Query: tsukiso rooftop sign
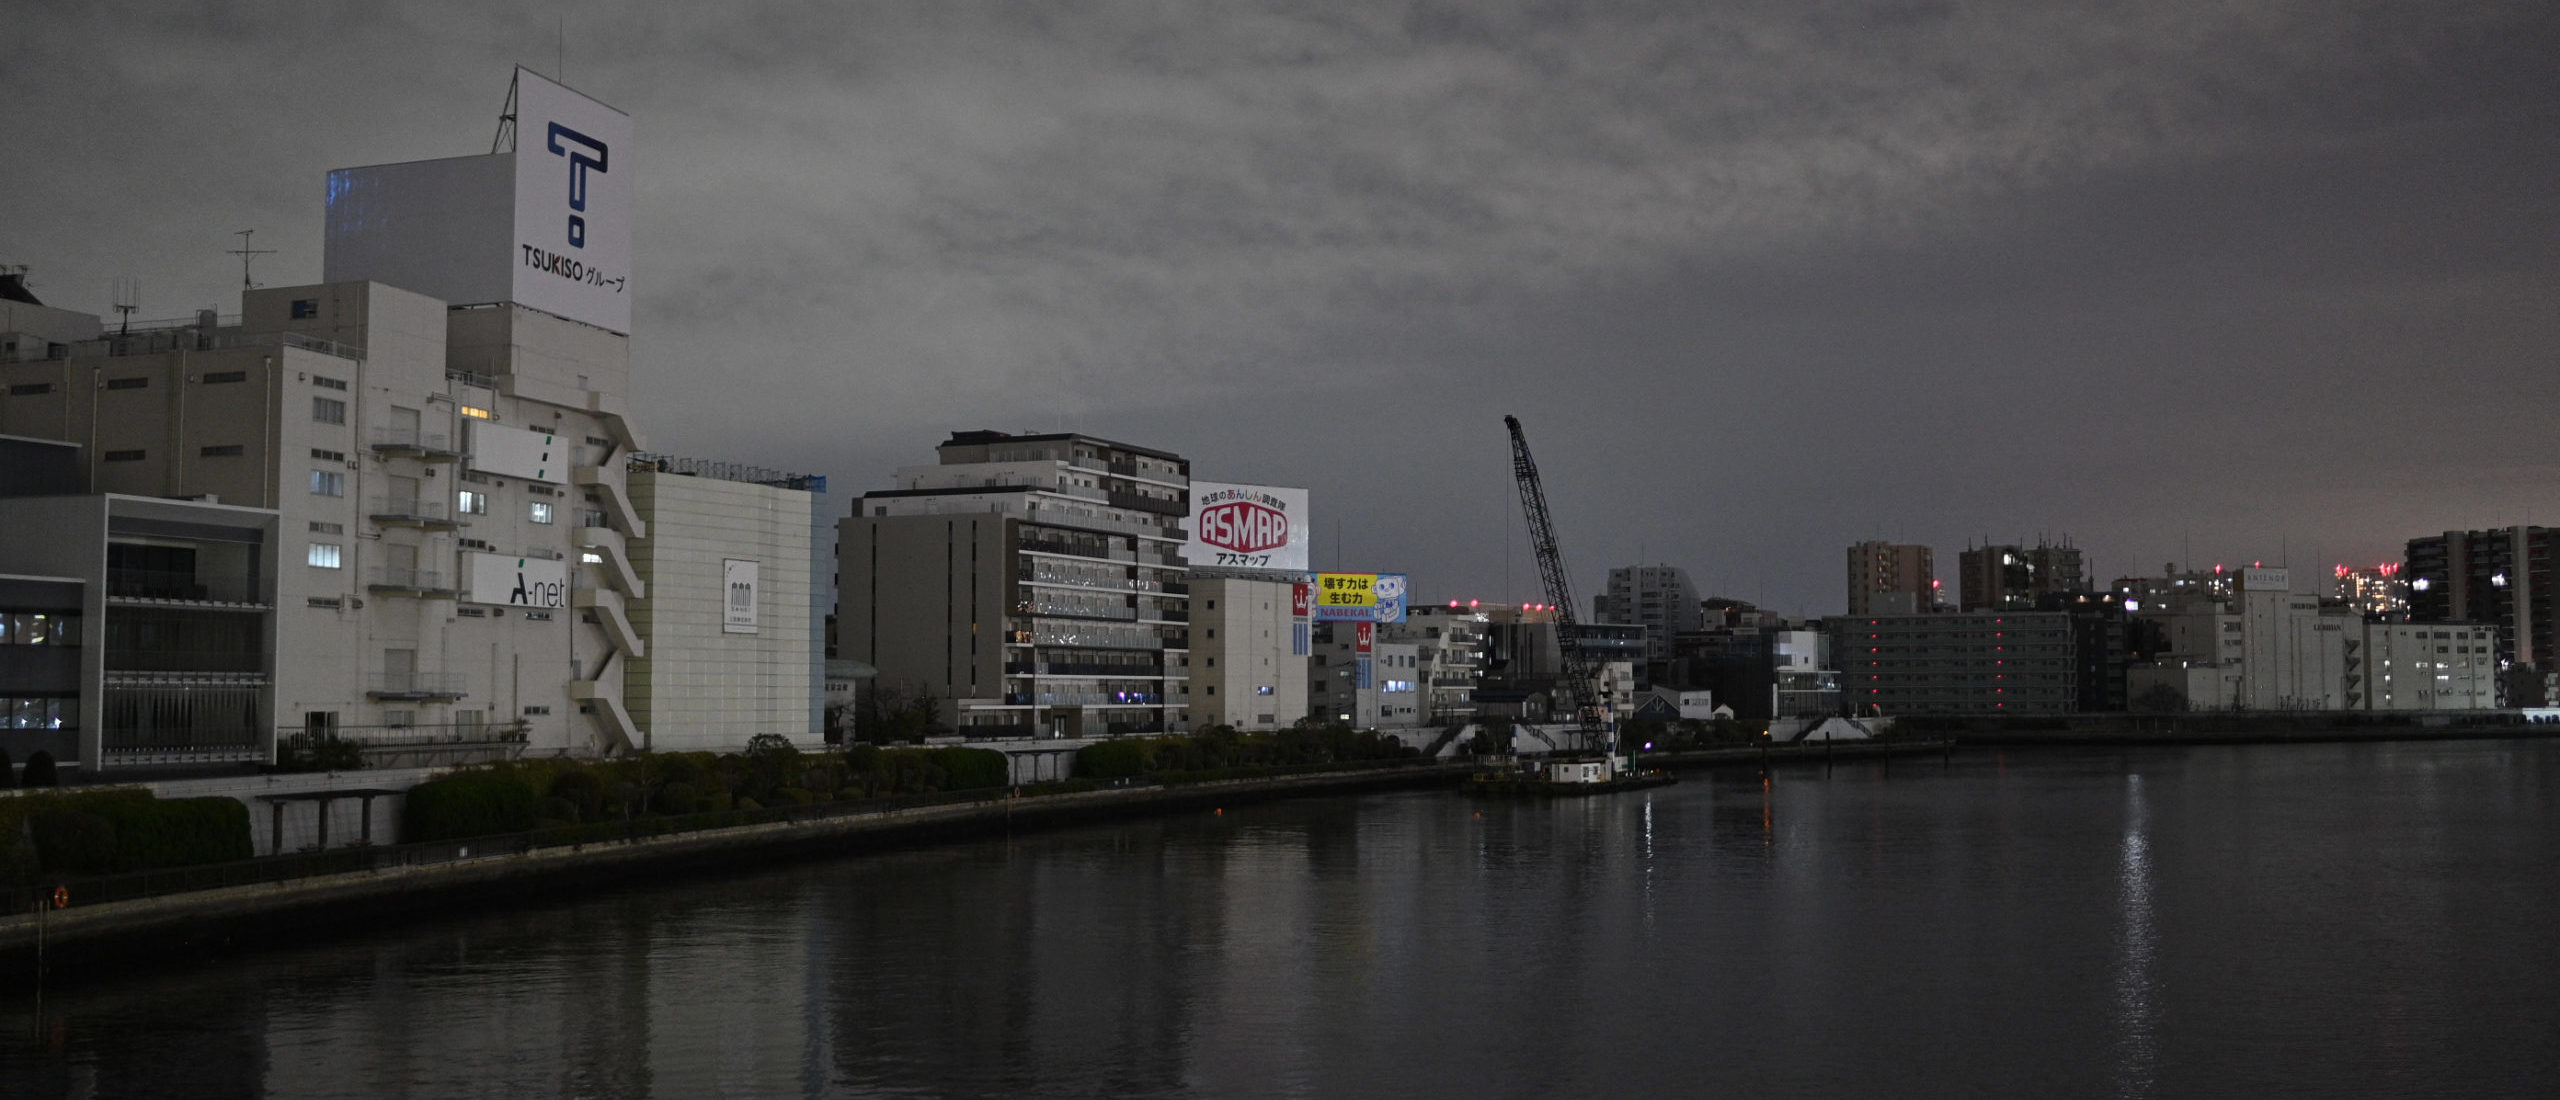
column 547, row 225
column 1247, row 527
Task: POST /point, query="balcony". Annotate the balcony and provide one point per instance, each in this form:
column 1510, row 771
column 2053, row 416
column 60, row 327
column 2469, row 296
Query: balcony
column 123, row 663
column 425, row 584
column 415, row 686
column 1142, row 503
column 425, row 515
column 414, row 443
column 179, row 586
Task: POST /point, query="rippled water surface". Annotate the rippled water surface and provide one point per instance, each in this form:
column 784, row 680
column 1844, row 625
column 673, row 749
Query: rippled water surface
column 2362, row 920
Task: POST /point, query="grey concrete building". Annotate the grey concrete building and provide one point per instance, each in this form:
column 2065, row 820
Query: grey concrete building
column 1032, row 585
column 1982, row 662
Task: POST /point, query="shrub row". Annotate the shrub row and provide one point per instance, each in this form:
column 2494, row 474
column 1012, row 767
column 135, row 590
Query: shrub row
column 1222, row 750
column 559, row 794
column 98, row 832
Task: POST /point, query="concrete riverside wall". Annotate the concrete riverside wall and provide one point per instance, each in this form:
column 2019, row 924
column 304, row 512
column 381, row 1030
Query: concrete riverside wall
column 211, row 916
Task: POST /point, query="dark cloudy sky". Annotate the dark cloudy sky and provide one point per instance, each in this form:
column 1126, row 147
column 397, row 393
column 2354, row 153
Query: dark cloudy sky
column 1762, row 279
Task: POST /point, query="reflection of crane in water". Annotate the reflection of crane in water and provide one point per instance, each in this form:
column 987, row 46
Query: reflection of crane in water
column 1581, row 677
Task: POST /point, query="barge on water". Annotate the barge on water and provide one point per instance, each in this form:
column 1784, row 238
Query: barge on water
column 1564, row 777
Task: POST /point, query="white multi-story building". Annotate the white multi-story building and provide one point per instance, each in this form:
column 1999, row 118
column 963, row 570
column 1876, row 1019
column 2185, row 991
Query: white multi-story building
column 1249, row 652
column 1031, row 585
column 439, row 433
column 1449, row 643
column 2254, row 644
column 1359, row 678
column 728, row 615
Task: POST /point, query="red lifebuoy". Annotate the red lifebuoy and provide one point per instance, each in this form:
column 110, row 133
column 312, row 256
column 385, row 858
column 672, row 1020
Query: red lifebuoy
column 62, row 897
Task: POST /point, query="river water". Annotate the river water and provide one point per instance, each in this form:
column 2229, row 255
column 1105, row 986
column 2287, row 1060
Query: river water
column 2322, row 920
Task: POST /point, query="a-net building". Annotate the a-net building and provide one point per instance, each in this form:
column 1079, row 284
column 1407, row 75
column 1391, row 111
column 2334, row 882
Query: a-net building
column 455, row 558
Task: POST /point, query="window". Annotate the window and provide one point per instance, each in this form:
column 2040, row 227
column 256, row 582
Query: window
column 305, row 307
column 227, row 450
column 216, row 378
column 324, row 555
column 476, row 413
column 128, row 383
column 328, row 410
column 123, row 456
column 471, row 503
column 30, row 389
column 327, row 383
column 328, row 456
column 325, row 602
column 539, row 512
column 326, row 483
column 322, row 527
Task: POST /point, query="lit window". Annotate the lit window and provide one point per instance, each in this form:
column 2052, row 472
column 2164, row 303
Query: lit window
column 541, row 513
column 471, row 503
column 324, row 555
column 328, row 483
column 476, row 413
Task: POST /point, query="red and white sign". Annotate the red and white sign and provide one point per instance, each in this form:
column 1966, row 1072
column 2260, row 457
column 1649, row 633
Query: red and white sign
column 1299, row 598
column 1247, row 527
column 1364, row 637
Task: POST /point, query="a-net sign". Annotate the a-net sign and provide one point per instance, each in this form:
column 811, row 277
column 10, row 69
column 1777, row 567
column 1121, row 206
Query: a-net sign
column 547, row 225
column 1247, row 527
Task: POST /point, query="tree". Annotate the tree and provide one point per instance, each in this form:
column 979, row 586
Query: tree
column 2159, row 699
column 322, row 752
column 886, row 716
column 40, row 772
column 2523, row 686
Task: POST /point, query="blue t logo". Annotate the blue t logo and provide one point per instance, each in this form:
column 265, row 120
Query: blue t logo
column 579, row 163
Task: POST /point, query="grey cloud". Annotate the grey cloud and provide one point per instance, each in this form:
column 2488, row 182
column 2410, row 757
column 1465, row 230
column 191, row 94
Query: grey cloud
column 1762, row 277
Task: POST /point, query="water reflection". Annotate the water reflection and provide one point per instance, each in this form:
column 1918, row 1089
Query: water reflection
column 2136, row 944
column 2184, row 922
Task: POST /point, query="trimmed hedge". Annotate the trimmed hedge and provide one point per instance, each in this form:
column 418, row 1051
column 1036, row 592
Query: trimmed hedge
column 468, row 804
column 103, row 831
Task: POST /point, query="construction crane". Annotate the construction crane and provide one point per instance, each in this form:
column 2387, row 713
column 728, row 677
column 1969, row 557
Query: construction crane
column 1581, row 676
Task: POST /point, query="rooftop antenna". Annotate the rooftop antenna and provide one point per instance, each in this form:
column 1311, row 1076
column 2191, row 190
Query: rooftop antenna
column 128, row 297
column 247, row 254
column 505, row 141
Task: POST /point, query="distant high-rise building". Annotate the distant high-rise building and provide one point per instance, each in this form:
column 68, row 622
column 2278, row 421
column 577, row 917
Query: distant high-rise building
column 1656, row 597
column 2014, row 578
column 2380, row 590
column 1887, row 578
column 2500, row 576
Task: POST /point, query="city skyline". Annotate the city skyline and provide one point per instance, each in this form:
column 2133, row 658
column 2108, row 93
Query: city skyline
column 2187, row 285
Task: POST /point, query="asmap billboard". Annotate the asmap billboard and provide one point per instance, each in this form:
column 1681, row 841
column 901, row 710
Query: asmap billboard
column 1247, row 527
column 547, row 225
column 1359, row 597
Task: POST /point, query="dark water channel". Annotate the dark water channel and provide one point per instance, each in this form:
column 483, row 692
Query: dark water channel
column 2348, row 920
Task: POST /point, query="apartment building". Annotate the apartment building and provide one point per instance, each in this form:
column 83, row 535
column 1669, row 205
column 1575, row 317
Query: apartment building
column 1656, row 597
column 1979, row 662
column 2015, row 578
column 1449, row 646
column 1031, row 585
column 1888, row 578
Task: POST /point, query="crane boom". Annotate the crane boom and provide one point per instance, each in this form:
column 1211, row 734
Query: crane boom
column 1581, row 677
